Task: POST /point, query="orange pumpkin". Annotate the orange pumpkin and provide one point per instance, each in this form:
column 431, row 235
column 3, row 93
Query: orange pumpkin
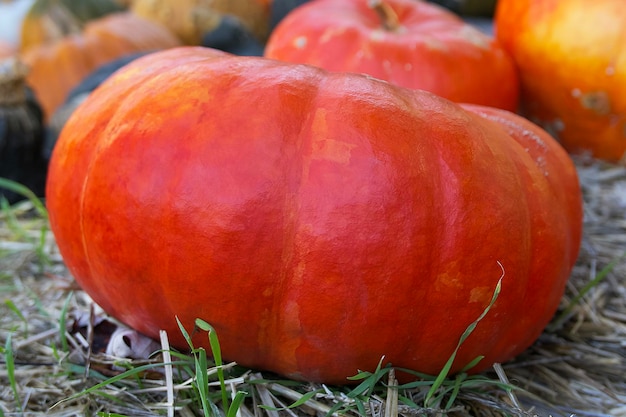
column 410, row 43
column 57, row 67
column 317, row 220
column 50, row 20
column 571, row 57
column 191, row 19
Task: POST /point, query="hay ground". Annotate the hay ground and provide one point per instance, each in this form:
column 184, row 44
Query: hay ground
column 577, row 367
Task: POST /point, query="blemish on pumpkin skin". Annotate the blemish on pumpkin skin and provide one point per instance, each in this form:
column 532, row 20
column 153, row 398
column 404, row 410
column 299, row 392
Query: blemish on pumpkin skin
column 475, row 37
column 480, row 295
column 435, row 44
column 446, row 282
column 334, row 150
column 328, row 148
column 300, row 42
column 387, row 66
column 329, row 34
column 597, row 101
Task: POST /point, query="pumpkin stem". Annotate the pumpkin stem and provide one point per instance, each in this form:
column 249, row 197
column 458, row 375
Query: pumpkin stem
column 388, row 16
column 12, row 81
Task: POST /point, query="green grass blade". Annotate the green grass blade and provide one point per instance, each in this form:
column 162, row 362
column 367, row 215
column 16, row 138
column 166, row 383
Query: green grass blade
column 584, row 290
column 472, row 363
column 11, row 219
column 126, row 374
column 40, row 243
column 63, row 323
column 370, row 379
column 456, row 388
column 24, row 191
column 446, row 368
column 236, row 403
column 11, row 305
column 10, row 364
column 216, row 351
column 305, row 397
column 334, row 409
column 185, row 333
column 202, row 380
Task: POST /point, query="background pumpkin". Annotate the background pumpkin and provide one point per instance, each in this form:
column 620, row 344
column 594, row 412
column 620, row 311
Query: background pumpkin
column 190, row 20
column 410, row 43
column 58, row 67
column 21, row 131
column 573, row 73
column 230, row 35
column 50, row 20
column 348, row 220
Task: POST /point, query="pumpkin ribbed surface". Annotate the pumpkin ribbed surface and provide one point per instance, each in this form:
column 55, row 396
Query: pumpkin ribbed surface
column 318, row 221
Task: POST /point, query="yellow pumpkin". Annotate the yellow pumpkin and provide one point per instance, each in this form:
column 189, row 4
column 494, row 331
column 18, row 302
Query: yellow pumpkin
column 190, row 19
column 50, row 20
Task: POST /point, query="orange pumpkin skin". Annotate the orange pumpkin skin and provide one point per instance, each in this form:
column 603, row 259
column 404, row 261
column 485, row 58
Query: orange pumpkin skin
column 347, row 220
column 432, row 49
column 573, row 72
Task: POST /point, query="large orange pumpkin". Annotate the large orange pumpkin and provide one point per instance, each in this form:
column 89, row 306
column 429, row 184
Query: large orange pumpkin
column 318, row 220
column 572, row 60
column 411, row 43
